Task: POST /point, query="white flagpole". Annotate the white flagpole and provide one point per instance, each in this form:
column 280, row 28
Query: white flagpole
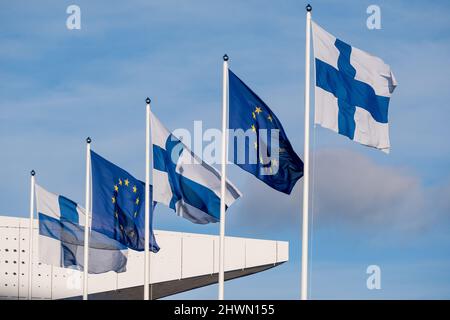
column 304, row 275
column 86, row 219
column 223, row 178
column 147, row 205
column 30, row 237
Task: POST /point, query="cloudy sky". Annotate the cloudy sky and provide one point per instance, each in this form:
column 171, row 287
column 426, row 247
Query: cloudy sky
column 58, row 86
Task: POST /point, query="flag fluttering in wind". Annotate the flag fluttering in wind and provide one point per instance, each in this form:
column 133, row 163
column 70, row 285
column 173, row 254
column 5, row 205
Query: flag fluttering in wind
column 279, row 168
column 118, row 201
column 352, row 90
column 61, row 237
column 184, row 182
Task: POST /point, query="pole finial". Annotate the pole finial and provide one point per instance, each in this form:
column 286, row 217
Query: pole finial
column 225, row 57
column 148, row 100
column 88, row 140
column 308, row 8
column 33, row 173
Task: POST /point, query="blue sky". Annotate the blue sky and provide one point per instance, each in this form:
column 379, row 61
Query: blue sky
column 57, row 86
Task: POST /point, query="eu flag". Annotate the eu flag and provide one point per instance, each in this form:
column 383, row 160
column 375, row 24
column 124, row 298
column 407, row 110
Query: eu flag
column 118, row 205
column 266, row 151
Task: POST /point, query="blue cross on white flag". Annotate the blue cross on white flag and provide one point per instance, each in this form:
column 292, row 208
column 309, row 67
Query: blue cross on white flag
column 352, row 91
column 61, row 237
column 184, row 182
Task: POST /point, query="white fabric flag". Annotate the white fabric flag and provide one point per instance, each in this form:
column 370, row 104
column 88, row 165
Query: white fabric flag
column 61, row 237
column 184, row 182
column 352, row 90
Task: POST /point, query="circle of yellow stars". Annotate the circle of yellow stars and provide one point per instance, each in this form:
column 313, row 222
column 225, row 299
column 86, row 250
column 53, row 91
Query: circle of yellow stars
column 255, row 114
column 125, row 183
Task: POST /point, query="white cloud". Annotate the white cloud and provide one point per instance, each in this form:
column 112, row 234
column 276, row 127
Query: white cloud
column 349, row 189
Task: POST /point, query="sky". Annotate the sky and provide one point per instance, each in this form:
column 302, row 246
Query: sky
column 58, row 86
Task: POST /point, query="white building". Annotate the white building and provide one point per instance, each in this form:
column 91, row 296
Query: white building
column 186, row 261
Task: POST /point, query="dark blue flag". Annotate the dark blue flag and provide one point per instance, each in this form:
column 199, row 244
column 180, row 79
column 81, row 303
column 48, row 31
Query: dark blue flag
column 266, row 151
column 118, row 205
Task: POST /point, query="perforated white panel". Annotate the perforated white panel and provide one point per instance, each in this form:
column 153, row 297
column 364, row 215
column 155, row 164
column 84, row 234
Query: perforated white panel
column 182, row 255
column 42, row 274
column 23, row 268
column 9, row 263
column 66, row 283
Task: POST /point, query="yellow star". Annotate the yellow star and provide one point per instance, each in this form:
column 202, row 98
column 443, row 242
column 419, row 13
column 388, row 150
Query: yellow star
column 255, row 144
column 127, row 182
column 116, row 188
column 268, row 169
column 269, row 118
column 135, row 214
column 137, row 200
column 116, row 214
column 274, row 162
column 134, row 189
column 258, row 110
column 113, row 200
column 253, row 128
column 120, row 181
column 254, row 115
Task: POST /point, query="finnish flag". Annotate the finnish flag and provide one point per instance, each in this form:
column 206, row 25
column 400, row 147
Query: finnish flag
column 352, row 90
column 61, row 237
column 184, row 182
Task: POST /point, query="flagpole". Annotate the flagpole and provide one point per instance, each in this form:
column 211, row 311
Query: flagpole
column 147, row 204
column 223, row 178
column 86, row 218
column 304, row 273
column 30, row 236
